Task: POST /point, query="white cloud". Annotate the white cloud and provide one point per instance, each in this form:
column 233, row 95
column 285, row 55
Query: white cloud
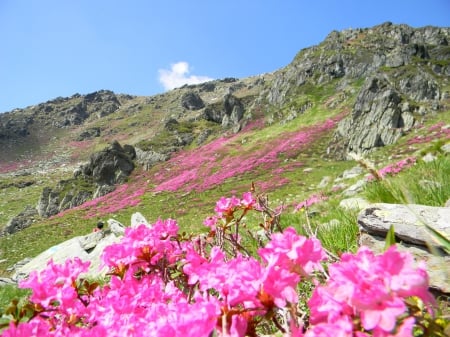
column 178, row 75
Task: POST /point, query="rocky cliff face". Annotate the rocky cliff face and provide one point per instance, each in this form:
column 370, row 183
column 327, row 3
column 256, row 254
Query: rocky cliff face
column 403, row 72
column 98, row 177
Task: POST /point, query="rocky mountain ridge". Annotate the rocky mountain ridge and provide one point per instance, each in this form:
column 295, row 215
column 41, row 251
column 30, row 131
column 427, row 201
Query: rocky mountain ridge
column 385, row 80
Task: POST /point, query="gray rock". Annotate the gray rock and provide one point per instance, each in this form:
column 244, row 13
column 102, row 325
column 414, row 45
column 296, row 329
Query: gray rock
column 110, row 166
column 103, row 190
column 192, row 101
column 96, row 254
column 355, row 188
column 429, row 157
column 48, row 203
column 89, row 134
column 138, row 219
column 446, row 148
column 87, row 248
column 324, row 182
column 228, row 114
column 376, row 119
column 437, row 266
column 19, row 264
column 149, row 158
column 6, row 281
column 354, row 203
column 408, row 221
column 351, row 173
column 59, row 254
column 89, row 241
column 23, row 220
column 116, row 227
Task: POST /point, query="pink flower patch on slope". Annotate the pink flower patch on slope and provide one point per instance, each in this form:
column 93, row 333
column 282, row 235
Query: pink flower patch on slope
column 212, row 164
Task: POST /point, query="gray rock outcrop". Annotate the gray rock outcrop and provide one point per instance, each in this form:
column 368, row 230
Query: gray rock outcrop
column 110, row 166
column 401, row 67
column 192, row 101
column 148, row 159
column 96, row 178
column 87, row 247
column 23, row 220
column 411, row 235
column 376, row 119
column 228, row 114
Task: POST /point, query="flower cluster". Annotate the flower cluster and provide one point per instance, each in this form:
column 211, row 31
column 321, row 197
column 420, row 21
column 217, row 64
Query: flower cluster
column 162, row 283
column 369, row 290
column 313, row 199
column 393, row 169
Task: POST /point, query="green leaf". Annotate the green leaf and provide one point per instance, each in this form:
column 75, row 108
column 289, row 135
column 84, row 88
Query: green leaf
column 439, row 238
column 390, row 238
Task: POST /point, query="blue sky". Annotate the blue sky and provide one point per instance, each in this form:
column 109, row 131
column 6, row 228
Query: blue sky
column 52, row 48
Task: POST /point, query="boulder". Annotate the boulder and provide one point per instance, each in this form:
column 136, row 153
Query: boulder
column 6, row 281
column 116, row 227
column 355, row 188
column 149, row 158
column 138, row 219
column 101, row 103
column 408, row 221
column 376, row 119
column 228, row 114
column 48, row 203
column 88, row 134
column 350, row 173
column 87, row 248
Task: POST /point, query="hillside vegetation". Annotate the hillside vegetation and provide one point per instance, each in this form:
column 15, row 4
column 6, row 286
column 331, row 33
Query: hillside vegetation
column 382, row 92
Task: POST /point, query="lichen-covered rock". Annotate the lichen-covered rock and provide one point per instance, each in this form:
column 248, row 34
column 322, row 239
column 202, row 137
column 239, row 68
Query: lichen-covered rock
column 228, row 114
column 377, row 118
column 408, row 221
column 110, row 166
column 437, row 266
column 148, row 159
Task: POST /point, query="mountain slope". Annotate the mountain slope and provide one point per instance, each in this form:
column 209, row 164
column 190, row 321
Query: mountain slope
column 359, row 90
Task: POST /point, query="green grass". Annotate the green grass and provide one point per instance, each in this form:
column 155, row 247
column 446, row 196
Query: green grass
column 10, row 292
column 424, row 183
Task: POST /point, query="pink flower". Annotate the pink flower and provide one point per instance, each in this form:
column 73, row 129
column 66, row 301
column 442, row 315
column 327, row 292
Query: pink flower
column 211, row 222
column 372, row 287
column 56, row 283
column 247, row 200
column 226, row 206
column 314, row 199
column 294, row 252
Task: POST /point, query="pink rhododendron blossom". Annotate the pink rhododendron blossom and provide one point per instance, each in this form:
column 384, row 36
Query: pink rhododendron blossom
column 55, row 283
column 370, row 286
column 294, row 252
column 211, row 222
column 226, row 206
column 247, row 200
column 164, row 285
column 236, row 281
